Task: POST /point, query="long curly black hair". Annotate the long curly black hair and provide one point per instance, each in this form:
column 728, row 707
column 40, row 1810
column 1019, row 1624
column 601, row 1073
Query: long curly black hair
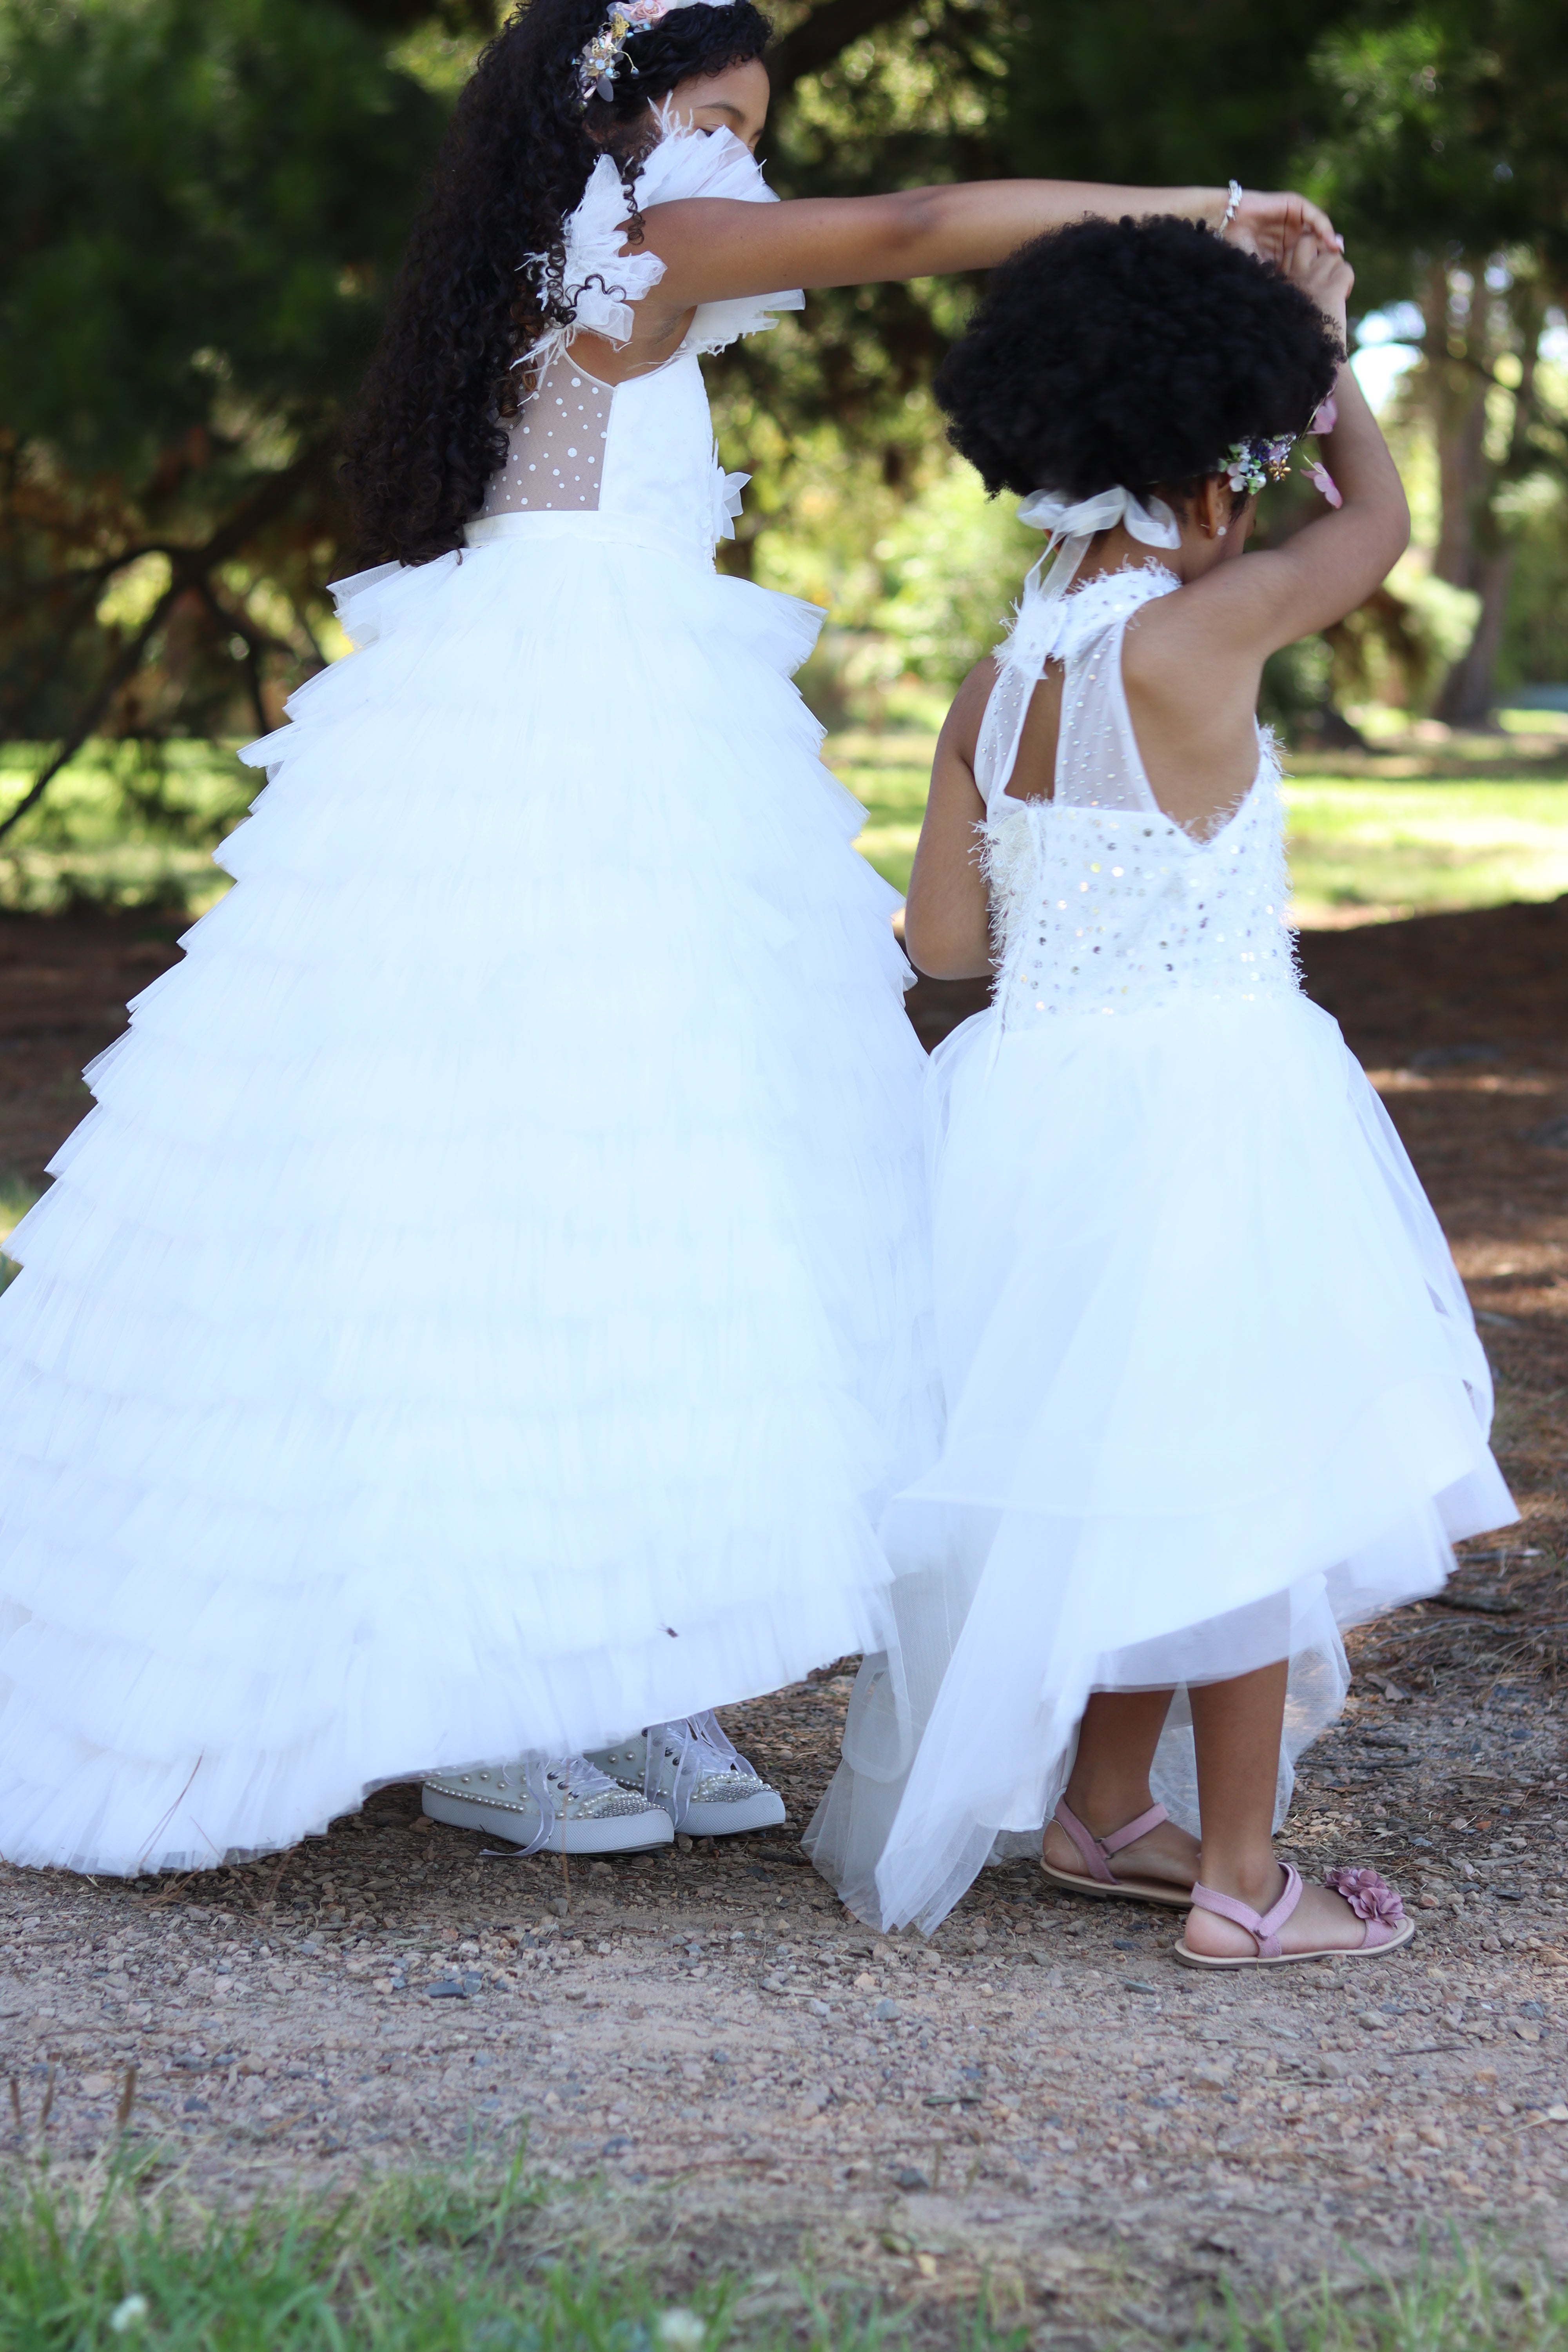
column 1132, row 352
column 513, row 166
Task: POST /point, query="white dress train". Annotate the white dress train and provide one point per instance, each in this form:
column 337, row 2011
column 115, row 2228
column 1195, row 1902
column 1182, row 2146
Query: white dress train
column 1214, row 1388
column 486, row 1309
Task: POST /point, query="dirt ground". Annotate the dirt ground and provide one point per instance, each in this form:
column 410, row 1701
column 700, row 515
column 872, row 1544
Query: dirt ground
column 1040, row 2098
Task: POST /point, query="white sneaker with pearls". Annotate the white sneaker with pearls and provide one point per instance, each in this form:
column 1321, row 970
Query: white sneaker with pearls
column 692, row 1771
column 563, row 1803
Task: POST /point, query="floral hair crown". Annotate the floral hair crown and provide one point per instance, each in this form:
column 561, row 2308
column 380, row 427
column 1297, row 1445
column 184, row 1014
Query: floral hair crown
column 598, row 58
column 1251, row 465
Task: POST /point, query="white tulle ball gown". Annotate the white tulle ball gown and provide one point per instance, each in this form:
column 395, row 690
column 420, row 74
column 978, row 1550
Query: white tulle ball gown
column 484, row 1311
column 1214, row 1388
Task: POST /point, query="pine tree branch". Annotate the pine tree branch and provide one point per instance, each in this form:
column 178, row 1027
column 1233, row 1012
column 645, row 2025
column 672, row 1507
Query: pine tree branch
column 191, row 567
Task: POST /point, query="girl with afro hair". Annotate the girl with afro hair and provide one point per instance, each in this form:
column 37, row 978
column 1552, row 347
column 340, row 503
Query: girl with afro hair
column 1213, row 1387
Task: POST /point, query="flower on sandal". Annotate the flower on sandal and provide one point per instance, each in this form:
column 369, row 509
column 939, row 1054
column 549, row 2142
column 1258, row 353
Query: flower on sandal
column 1369, row 1896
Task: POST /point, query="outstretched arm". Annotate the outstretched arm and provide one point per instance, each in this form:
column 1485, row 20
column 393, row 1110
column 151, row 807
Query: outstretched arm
column 714, row 250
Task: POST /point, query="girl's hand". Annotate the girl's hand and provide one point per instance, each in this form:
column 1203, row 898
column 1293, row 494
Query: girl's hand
column 1322, row 271
column 1270, row 226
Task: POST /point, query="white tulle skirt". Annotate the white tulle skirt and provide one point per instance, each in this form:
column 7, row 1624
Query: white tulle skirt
column 1214, row 1394
column 486, row 1308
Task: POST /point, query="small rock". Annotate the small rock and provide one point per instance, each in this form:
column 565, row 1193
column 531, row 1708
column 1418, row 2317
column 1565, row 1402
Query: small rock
column 461, row 1988
column 819, row 2007
column 909, row 2180
column 1372, row 2019
column 885, row 2011
column 683, row 1843
column 1431, row 2135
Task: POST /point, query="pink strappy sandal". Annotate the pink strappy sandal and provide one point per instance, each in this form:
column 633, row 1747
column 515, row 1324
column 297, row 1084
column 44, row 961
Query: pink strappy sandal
column 1097, row 1852
column 1369, row 1896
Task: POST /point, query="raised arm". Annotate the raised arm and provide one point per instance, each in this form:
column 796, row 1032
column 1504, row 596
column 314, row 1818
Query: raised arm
column 713, row 250
column 1194, row 665
column 1333, row 564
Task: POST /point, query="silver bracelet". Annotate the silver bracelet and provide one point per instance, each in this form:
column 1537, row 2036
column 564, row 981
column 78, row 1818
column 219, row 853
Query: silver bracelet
column 1232, row 208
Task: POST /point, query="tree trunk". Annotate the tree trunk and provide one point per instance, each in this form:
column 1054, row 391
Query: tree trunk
column 1473, row 549
column 1466, row 700
column 1457, row 402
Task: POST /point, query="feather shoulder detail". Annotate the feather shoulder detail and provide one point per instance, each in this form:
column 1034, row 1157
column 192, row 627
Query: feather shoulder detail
column 602, row 281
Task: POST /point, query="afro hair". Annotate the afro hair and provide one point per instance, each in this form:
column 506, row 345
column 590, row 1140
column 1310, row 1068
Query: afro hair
column 1131, row 353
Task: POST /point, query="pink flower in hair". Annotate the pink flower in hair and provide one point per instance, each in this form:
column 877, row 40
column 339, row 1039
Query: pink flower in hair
column 1369, row 1896
column 1321, row 480
column 1327, row 417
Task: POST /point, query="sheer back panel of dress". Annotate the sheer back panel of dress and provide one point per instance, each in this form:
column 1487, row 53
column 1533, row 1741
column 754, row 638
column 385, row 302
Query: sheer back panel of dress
column 556, row 458
column 1098, row 764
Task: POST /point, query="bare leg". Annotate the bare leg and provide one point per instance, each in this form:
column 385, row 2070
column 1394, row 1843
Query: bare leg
column 1236, row 1726
column 1109, row 1786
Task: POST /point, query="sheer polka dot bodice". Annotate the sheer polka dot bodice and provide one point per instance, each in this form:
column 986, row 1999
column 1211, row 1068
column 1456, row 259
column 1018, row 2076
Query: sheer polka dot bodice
column 556, row 457
column 1102, row 903
column 637, row 460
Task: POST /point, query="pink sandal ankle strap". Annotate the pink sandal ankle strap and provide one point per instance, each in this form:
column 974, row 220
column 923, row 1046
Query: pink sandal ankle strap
column 1262, row 1926
column 1096, row 1852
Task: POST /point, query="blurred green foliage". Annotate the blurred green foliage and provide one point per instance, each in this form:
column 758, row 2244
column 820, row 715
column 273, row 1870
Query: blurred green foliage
column 201, row 206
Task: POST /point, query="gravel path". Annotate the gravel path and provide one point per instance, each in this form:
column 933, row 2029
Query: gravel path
column 1040, row 2093
column 1039, row 2097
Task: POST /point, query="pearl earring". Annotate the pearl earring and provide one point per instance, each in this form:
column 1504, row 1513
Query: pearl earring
column 1223, row 529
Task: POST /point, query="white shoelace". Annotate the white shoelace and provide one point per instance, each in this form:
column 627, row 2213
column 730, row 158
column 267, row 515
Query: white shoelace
column 701, row 1746
column 556, row 1783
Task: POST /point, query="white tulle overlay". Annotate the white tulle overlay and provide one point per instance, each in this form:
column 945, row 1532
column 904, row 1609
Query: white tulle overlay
column 485, row 1310
column 1214, row 1388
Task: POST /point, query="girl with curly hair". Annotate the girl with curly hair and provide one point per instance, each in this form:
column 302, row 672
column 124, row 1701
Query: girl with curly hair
column 485, row 1313
column 1214, row 1391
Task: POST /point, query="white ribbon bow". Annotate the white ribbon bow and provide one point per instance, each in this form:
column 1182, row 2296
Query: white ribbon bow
column 728, row 505
column 1069, row 525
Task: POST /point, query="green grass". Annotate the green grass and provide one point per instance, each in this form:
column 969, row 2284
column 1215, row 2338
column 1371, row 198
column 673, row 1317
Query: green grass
column 1395, row 834
column 1414, row 848
column 16, row 1197
column 117, row 830
column 890, row 774
column 1363, row 845
column 479, row 2260
column 467, row 2260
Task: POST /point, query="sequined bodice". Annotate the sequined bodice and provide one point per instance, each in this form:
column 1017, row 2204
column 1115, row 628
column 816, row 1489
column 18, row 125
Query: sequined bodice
column 1101, row 903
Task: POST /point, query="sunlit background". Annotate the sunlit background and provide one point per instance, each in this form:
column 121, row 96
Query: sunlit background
column 202, row 206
